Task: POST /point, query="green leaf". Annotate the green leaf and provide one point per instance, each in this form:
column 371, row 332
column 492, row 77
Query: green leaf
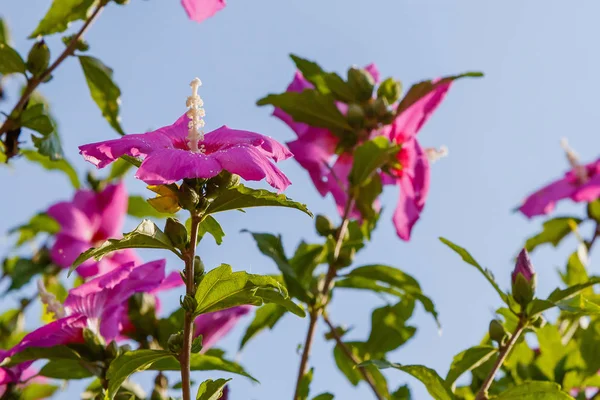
column 21, row 270
column 553, row 231
column 369, row 157
column 60, row 14
column 4, row 32
column 138, row 207
column 534, row 391
column 579, row 305
column 35, row 391
column 593, row 210
column 66, row 369
column 304, row 386
column 589, row 347
column 210, row 225
column 464, row 254
column 538, row 306
column 576, row 271
column 54, row 165
column 34, row 118
column 435, row 385
column 468, row 360
column 324, row 82
column 306, row 258
column 266, row 317
column 103, row 90
column 202, row 362
column 563, row 294
column 271, row 246
column 49, row 146
column 146, row 236
column 211, row 390
column 348, row 367
column 40, row 353
column 130, row 362
column 366, row 199
column 221, row 289
column 39, row 223
column 10, row 61
column 422, row 89
column 388, row 327
column 309, row 106
column 239, row 197
column 324, row 396
column 397, row 283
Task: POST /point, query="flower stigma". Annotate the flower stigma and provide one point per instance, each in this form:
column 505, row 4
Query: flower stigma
column 580, row 170
column 196, row 114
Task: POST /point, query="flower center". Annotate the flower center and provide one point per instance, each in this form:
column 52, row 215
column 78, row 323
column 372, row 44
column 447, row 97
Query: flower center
column 580, row 170
column 196, row 114
column 434, row 154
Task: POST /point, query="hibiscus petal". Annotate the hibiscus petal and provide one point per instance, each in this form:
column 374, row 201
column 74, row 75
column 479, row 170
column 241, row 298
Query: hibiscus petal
column 214, row 326
column 172, row 280
column 589, row 191
column 110, row 323
column 337, row 183
column 170, row 165
column 66, row 249
column 199, row 10
column 224, row 137
column 112, row 206
column 374, row 71
column 137, row 145
column 108, row 263
column 544, row 200
column 72, row 220
column 252, row 165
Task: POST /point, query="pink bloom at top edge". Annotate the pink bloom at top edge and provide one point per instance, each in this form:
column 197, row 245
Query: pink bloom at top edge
column 96, row 305
column 571, row 187
column 167, row 157
column 199, row 10
column 90, row 218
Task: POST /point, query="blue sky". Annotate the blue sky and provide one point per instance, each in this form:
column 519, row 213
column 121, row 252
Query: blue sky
column 503, row 133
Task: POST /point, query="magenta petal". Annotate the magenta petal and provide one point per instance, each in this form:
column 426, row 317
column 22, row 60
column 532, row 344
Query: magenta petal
column 225, row 137
column 374, row 71
column 85, row 200
column 170, row 165
column 199, row 10
column 213, row 326
column 112, row 205
column 414, row 188
column 172, row 281
column 410, row 121
column 66, row 249
column 137, row 145
column 252, row 165
column 72, row 221
column 544, row 200
column 92, row 268
column 337, row 182
column 589, row 191
column 110, row 324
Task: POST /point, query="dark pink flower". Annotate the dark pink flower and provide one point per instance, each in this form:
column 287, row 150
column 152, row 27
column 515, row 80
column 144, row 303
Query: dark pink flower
column 215, row 325
column 199, row 10
column 97, row 305
column 89, row 219
column 168, row 157
column 580, row 184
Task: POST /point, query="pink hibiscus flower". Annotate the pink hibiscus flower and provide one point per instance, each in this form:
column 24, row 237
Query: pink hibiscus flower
column 215, row 325
column 580, row 184
column 315, row 150
column 183, row 151
column 90, row 219
column 20, row 376
column 199, row 10
column 97, row 305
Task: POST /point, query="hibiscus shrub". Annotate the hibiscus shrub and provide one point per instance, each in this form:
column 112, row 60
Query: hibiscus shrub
column 102, row 317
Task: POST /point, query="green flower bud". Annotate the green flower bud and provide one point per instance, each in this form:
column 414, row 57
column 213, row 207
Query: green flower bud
column 226, row 179
column 361, row 83
column 112, row 350
column 538, row 322
column 175, row 342
column 187, row 197
column 355, row 116
column 523, row 280
column 188, row 303
column 81, row 44
column 203, row 204
column 323, row 225
column 346, row 257
column 198, row 270
column 125, row 348
column 94, row 343
column 390, row 90
column 381, row 107
column 177, row 232
column 497, row 331
column 38, row 58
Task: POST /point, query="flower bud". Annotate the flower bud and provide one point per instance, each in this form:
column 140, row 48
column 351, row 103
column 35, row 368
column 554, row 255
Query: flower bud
column 523, row 279
column 188, row 303
column 187, row 196
column 112, row 350
column 177, row 232
column 226, row 179
column 323, row 225
column 355, row 116
column 38, row 58
column 390, row 90
column 175, row 342
column 380, row 106
column 346, row 257
column 497, row 331
column 94, row 343
column 362, row 84
column 198, row 270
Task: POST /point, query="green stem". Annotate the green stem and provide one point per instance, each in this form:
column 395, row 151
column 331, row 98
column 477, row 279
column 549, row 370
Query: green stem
column 188, row 328
column 504, row 352
column 34, row 82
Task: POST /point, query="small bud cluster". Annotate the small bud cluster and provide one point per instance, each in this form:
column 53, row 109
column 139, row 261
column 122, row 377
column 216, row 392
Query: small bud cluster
column 52, row 304
column 195, row 114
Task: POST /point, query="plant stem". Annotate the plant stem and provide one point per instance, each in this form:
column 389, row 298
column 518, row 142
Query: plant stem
column 34, row 82
column 188, row 327
column 504, row 351
column 323, row 296
column 368, row 377
column 593, row 240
